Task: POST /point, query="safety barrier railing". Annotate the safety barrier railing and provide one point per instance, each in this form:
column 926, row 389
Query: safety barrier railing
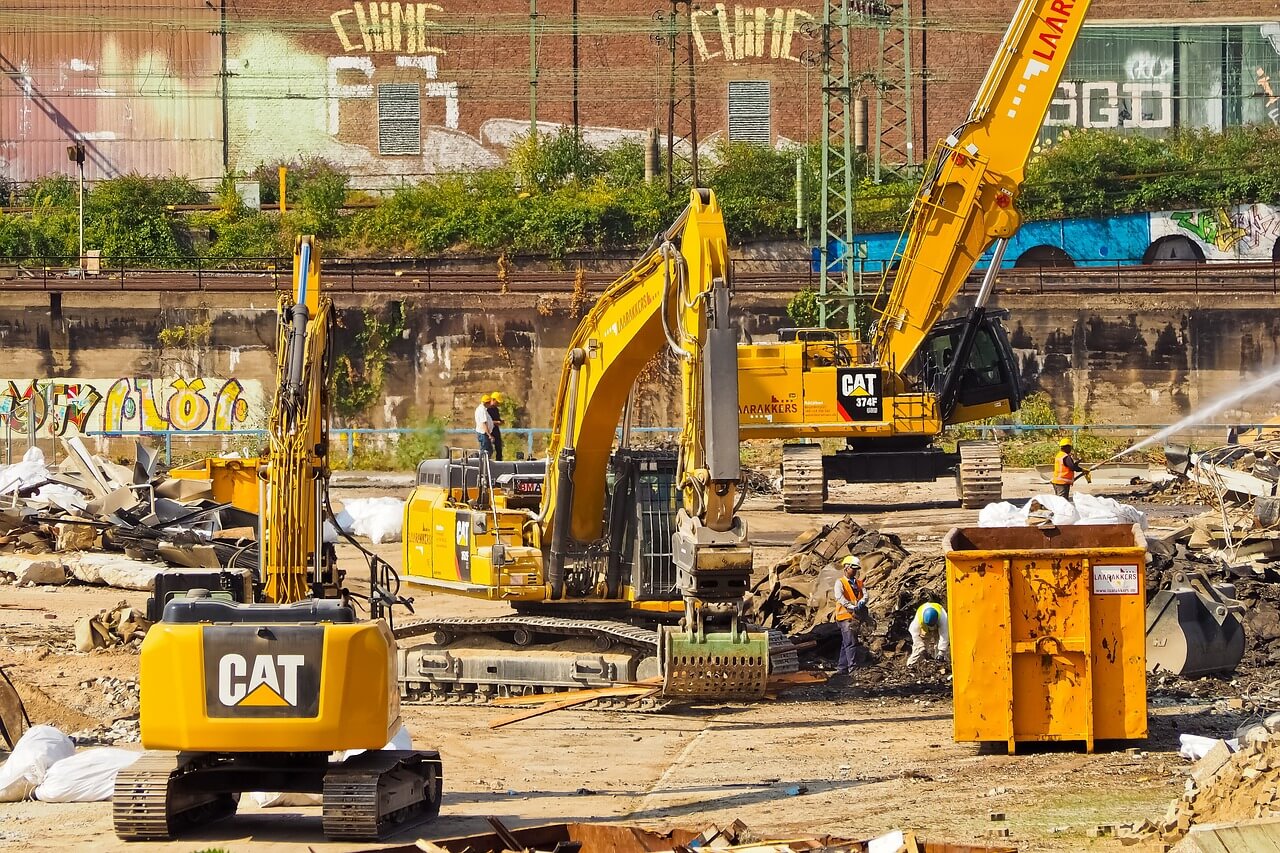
column 347, row 439
column 351, row 443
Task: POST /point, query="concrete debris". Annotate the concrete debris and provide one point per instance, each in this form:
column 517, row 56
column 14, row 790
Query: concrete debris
column 123, row 730
column 118, row 626
column 1244, row 786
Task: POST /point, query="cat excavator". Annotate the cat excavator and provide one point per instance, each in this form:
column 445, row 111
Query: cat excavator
column 253, row 681
column 890, row 395
column 602, row 541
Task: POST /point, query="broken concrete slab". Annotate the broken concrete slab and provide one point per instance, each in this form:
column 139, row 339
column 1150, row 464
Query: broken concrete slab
column 112, row 570
column 38, row 570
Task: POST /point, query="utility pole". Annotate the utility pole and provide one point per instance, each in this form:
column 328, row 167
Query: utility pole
column 577, row 128
column 681, row 90
column 837, row 161
column 75, row 153
column 224, row 74
column 533, row 70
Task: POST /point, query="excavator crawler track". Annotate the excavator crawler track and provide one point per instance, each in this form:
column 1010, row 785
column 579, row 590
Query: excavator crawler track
column 440, row 673
column 373, row 792
column 979, row 476
column 804, row 485
column 153, row 801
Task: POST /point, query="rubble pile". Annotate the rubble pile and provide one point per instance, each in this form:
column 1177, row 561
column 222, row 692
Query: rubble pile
column 50, row 518
column 1226, row 786
column 796, row 595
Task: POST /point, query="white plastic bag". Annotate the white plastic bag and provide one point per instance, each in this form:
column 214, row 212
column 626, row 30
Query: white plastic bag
column 1003, row 514
column 1195, row 747
column 379, row 519
column 1099, row 510
column 86, row 777
column 34, row 753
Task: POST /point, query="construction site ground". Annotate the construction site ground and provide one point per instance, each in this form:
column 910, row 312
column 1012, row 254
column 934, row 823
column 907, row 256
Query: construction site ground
column 852, row 760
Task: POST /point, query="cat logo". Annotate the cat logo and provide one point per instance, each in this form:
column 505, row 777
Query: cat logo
column 271, row 682
column 267, row 671
column 859, row 394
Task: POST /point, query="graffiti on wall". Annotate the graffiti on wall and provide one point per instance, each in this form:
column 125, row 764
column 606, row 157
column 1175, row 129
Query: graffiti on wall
column 1243, row 232
column 63, row 406
column 749, row 33
column 387, row 27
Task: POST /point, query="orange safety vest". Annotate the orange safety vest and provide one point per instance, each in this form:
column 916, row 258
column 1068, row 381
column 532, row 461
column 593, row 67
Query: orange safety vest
column 1062, row 475
column 844, row 614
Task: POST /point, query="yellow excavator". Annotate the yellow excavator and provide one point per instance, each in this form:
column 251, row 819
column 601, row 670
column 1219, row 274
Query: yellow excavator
column 889, row 396
column 253, row 682
column 598, row 542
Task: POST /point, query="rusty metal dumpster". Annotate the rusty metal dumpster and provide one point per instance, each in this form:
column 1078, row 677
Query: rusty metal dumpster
column 1047, row 633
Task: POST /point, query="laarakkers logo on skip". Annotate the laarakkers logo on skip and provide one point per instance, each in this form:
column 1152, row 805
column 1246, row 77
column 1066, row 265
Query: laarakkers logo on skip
column 268, row 671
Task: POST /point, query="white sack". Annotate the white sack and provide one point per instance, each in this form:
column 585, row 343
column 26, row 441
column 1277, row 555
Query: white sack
column 1081, row 509
column 1099, row 510
column 1196, row 747
column 378, row 519
column 35, row 752
column 86, row 777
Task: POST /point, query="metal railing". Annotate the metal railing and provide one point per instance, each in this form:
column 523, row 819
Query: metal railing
column 346, row 438
column 463, row 275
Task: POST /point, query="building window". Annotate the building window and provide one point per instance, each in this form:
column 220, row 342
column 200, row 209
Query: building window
column 399, row 118
column 749, row 112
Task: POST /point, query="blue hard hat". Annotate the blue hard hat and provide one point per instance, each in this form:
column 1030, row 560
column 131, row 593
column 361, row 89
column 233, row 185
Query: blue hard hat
column 930, row 616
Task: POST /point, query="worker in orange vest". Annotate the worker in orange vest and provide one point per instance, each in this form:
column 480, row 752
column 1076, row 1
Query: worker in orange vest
column 851, row 610
column 1066, row 469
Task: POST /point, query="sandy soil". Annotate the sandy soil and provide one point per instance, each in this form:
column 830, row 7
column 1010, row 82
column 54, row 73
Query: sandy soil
column 852, row 761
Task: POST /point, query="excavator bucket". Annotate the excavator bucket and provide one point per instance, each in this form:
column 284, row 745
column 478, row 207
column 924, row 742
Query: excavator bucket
column 720, row 665
column 1193, row 627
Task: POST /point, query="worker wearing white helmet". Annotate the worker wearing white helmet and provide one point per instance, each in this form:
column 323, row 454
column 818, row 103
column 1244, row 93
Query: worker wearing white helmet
column 851, row 610
column 928, row 632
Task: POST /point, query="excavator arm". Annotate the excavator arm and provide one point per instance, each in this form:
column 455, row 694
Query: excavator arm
column 674, row 299
column 968, row 199
column 295, row 475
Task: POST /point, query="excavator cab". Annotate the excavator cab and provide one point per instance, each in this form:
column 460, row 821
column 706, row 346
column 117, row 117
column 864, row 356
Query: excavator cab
column 988, row 382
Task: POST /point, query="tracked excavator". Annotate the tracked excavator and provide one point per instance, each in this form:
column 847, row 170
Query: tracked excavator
column 254, row 682
column 621, row 564
column 890, row 395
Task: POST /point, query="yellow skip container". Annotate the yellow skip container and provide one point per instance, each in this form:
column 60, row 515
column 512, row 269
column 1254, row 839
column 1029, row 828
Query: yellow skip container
column 1048, row 633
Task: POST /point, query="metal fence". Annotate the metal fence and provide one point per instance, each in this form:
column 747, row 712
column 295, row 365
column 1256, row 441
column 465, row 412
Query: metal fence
column 349, row 446
column 450, row 275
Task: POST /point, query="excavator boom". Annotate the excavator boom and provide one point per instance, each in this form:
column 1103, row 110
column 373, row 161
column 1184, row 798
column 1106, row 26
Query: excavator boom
column 968, row 198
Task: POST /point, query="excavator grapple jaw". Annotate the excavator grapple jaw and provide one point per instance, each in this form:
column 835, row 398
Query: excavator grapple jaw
column 731, row 664
column 1193, row 627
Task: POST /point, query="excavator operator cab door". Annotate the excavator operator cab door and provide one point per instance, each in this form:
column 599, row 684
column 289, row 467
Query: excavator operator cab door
column 988, row 386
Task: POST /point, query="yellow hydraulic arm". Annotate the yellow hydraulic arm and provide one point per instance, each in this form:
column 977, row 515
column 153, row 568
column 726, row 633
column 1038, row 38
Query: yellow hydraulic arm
column 969, row 195
column 676, row 299
column 295, row 473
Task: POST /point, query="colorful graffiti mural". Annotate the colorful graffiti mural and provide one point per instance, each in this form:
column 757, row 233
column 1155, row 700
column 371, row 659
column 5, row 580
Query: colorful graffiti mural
column 60, row 406
column 1246, row 232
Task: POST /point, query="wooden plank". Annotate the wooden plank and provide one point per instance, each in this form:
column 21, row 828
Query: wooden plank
column 593, row 693
column 557, row 706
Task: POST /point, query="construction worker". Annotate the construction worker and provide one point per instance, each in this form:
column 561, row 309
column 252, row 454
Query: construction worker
column 495, row 415
column 1066, row 469
column 851, row 611
column 484, row 425
column 928, row 628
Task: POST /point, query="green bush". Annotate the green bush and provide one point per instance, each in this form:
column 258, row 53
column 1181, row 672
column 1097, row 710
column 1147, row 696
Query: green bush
column 128, row 218
column 425, row 442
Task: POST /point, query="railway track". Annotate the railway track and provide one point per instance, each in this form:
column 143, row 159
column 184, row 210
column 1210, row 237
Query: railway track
column 415, row 278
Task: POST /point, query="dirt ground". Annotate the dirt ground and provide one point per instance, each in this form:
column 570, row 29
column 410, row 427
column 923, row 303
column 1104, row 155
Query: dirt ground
column 853, row 761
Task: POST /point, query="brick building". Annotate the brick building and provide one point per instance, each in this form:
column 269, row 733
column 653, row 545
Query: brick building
column 401, row 89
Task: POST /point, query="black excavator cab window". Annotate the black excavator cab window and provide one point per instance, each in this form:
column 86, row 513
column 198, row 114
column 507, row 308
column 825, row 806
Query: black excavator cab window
column 990, row 374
